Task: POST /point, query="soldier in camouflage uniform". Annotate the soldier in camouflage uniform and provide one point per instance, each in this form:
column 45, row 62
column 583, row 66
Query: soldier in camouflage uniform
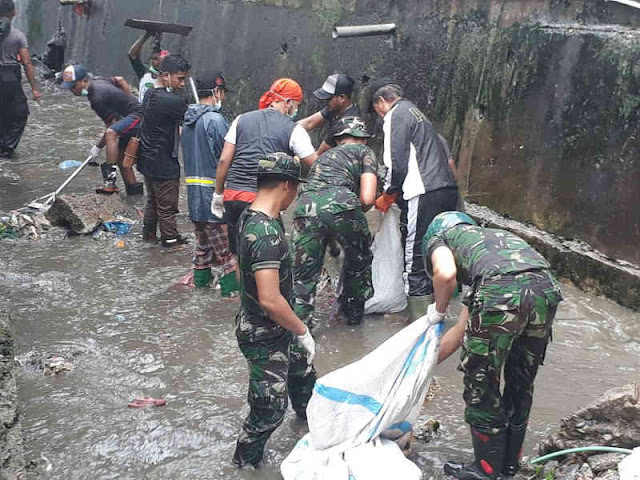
column 341, row 184
column 506, row 323
column 266, row 323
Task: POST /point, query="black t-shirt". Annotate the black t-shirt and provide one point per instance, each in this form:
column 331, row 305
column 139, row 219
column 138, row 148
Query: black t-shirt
column 332, row 121
column 159, row 134
column 109, row 102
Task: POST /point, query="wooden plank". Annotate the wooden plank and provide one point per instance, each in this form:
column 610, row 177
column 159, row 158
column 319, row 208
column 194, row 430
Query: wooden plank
column 158, row 27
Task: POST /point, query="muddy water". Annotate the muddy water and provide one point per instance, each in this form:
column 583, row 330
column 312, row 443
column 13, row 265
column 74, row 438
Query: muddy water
column 134, row 333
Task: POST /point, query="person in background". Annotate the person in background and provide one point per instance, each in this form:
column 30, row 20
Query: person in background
column 163, row 109
column 251, row 136
column 335, row 93
column 341, row 186
column 266, row 326
column 506, row 323
column 420, row 181
column 203, row 134
column 14, row 54
column 112, row 101
column 146, row 76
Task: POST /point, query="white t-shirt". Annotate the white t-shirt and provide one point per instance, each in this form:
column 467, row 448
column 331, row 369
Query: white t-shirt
column 146, row 82
column 300, row 141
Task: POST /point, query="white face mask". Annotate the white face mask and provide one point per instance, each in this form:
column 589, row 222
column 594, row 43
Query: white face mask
column 169, row 89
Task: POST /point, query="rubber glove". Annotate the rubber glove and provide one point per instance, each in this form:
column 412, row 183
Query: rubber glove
column 384, row 201
column 433, row 315
column 308, row 343
column 217, row 205
column 95, row 151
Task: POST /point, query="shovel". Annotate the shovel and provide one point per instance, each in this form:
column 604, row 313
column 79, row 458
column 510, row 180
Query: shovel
column 46, row 201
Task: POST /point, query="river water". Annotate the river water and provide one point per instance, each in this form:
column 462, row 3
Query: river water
column 131, row 332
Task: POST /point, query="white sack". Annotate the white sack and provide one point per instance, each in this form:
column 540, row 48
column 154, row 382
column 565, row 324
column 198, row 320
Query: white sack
column 383, row 390
column 629, row 468
column 387, row 267
column 380, row 460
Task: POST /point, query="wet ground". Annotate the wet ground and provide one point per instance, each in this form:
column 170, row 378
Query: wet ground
column 137, row 334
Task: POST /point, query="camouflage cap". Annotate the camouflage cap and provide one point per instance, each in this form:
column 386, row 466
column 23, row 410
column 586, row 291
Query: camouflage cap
column 353, row 126
column 280, row 163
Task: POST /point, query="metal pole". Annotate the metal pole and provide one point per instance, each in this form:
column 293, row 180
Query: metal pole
column 72, row 176
column 363, row 30
column 194, row 89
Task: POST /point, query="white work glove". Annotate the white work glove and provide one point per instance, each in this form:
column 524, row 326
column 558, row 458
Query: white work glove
column 433, row 315
column 308, row 343
column 95, row 151
column 217, row 206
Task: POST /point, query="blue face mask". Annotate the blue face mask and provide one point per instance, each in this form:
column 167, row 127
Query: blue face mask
column 84, row 93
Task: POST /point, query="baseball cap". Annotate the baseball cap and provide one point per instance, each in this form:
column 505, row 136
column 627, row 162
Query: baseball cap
column 211, row 80
column 279, row 163
column 73, row 74
column 336, row 84
column 353, row 126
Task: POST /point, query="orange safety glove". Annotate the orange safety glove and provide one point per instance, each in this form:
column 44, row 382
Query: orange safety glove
column 384, row 201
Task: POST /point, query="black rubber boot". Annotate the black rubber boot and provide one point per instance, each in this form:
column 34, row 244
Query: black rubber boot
column 515, row 439
column 174, row 242
column 489, row 451
column 109, row 173
column 135, row 189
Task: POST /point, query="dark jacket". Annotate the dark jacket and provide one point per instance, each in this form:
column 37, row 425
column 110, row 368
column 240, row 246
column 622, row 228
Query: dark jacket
column 418, row 161
column 159, row 134
column 203, row 134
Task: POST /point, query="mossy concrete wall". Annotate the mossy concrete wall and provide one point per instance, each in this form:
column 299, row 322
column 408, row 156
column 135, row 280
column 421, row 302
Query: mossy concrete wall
column 538, row 98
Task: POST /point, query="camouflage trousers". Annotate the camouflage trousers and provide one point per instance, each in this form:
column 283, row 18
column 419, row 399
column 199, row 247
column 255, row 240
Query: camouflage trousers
column 509, row 327
column 277, row 368
column 310, row 237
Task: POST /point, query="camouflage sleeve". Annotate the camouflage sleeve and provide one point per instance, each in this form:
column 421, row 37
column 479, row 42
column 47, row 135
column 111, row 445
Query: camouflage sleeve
column 266, row 253
column 428, row 247
column 369, row 161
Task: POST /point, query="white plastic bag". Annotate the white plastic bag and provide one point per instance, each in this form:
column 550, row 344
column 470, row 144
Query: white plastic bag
column 383, row 390
column 387, row 267
column 380, row 460
column 629, row 468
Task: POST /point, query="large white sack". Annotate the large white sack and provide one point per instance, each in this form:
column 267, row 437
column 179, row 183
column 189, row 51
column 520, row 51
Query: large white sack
column 383, row 390
column 306, row 463
column 629, row 467
column 387, row 267
column 380, row 460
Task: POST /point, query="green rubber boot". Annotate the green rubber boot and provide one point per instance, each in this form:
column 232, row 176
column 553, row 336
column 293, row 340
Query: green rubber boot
column 418, row 306
column 202, row 277
column 228, row 284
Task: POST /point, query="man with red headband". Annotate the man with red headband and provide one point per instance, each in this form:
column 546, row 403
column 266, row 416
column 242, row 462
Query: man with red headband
column 252, row 136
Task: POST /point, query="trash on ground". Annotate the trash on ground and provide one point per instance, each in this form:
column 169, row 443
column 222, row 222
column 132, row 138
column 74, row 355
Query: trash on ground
column 118, row 227
column 120, row 244
column 353, row 408
column 147, row 402
column 28, row 225
column 55, row 364
column 69, row 164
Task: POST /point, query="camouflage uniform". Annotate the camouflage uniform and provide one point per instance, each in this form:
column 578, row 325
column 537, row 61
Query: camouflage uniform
column 512, row 305
column 276, row 363
column 329, row 208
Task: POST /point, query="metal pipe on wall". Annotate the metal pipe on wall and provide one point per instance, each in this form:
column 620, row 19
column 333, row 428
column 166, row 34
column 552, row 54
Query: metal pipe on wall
column 363, row 30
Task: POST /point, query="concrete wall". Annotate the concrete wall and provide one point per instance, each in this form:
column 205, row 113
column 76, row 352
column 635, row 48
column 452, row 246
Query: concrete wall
column 12, row 465
column 539, row 98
